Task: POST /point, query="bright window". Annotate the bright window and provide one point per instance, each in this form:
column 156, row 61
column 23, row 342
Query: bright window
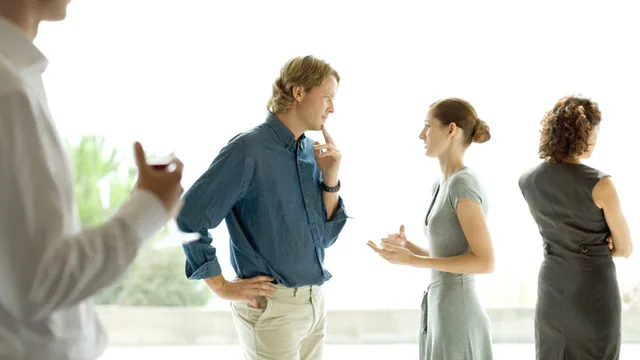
column 199, row 72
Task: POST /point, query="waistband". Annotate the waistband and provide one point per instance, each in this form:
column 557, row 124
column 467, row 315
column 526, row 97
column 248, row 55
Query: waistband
column 439, row 278
column 583, row 250
column 296, row 294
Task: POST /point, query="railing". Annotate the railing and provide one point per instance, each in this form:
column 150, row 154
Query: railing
column 149, row 326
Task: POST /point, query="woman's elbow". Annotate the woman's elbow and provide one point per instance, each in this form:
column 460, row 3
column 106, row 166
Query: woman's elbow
column 488, row 265
column 489, row 268
column 627, row 251
column 622, row 252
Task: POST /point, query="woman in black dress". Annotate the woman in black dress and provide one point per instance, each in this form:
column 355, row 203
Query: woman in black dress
column 578, row 214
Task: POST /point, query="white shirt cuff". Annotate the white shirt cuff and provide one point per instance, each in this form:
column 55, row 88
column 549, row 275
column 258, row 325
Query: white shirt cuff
column 144, row 213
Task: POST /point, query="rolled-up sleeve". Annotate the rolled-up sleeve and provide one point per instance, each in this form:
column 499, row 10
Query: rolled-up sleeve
column 334, row 226
column 210, row 199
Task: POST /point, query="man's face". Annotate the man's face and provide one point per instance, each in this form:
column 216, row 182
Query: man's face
column 316, row 105
column 53, row 10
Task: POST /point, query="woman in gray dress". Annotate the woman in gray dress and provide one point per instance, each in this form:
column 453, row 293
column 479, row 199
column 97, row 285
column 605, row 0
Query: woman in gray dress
column 454, row 324
column 578, row 214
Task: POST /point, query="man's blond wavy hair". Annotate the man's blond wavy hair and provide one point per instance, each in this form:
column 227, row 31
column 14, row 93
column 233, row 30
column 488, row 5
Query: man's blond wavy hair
column 306, row 71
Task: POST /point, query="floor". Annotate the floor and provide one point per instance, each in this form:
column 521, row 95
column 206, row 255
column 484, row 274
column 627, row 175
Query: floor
column 369, row 352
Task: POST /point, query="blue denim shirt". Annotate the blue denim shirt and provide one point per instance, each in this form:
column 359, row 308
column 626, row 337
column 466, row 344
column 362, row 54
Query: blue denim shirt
column 266, row 185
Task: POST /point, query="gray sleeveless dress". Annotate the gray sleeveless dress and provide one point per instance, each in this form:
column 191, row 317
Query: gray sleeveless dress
column 454, row 325
column 578, row 312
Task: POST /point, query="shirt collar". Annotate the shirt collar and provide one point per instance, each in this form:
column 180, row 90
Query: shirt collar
column 16, row 46
column 284, row 135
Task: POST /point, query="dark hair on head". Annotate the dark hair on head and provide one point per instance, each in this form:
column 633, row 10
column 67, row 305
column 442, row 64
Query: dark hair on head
column 460, row 112
column 566, row 129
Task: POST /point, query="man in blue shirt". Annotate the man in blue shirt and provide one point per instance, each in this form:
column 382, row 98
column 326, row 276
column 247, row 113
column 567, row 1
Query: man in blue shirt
column 277, row 191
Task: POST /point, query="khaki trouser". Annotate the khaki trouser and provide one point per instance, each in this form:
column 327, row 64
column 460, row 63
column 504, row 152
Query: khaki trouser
column 290, row 326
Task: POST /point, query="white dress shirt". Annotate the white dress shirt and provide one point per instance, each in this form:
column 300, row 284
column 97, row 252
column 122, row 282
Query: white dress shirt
column 49, row 267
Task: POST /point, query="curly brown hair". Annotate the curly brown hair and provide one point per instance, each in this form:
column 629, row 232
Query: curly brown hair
column 566, row 129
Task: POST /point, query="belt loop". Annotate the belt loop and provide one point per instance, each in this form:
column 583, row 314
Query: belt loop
column 295, row 291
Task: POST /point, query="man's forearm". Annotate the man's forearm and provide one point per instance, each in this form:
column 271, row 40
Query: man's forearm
column 215, row 283
column 330, row 200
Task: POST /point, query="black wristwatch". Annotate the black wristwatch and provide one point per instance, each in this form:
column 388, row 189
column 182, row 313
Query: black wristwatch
column 331, row 189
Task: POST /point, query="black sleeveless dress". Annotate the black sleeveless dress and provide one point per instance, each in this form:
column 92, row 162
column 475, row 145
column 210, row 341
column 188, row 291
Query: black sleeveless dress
column 578, row 311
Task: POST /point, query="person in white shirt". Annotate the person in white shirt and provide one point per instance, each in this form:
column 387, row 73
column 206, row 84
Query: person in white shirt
column 49, row 267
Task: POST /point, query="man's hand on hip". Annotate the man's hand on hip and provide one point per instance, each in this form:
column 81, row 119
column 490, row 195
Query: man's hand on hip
column 242, row 289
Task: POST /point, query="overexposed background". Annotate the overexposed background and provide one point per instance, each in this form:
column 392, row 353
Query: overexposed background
column 195, row 73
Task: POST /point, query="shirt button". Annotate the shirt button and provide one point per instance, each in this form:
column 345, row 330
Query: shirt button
column 584, row 250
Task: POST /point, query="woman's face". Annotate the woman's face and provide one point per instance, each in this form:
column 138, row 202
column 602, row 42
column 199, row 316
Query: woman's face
column 435, row 135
